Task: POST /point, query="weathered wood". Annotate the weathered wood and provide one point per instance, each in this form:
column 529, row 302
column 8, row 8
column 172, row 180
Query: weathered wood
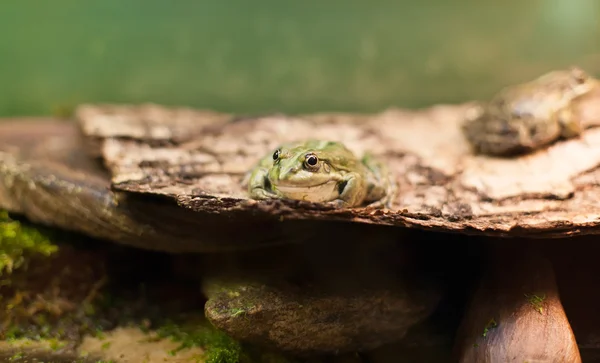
column 442, row 184
column 46, row 176
column 578, row 275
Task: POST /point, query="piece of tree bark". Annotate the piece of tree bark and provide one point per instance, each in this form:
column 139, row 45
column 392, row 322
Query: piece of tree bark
column 516, row 313
column 442, row 184
column 197, row 160
column 46, row 176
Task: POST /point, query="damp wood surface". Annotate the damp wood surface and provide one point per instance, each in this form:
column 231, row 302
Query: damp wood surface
column 200, row 158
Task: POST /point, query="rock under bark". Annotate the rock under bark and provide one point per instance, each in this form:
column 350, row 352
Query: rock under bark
column 308, row 321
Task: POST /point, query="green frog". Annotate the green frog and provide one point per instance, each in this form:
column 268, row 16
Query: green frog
column 530, row 115
column 321, row 172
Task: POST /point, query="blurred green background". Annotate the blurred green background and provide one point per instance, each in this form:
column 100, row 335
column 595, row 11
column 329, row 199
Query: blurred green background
column 276, row 55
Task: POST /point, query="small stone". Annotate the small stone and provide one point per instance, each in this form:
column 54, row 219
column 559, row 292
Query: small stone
column 311, row 321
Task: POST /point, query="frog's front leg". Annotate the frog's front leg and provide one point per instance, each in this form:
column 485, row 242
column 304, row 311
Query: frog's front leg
column 259, row 186
column 352, row 191
column 570, row 125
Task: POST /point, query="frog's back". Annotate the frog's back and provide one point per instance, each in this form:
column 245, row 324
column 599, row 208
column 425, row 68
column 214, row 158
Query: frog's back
column 522, row 104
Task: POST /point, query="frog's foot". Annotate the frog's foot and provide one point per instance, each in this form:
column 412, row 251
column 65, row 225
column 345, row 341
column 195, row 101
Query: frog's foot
column 570, row 126
column 383, row 193
column 259, row 193
column 385, row 202
column 380, row 204
column 259, row 186
column 382, row 185
column 337, row 203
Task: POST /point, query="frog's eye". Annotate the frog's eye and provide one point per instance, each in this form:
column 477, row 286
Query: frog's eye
column 311, row 160
column 276, row 154
column 578, row 74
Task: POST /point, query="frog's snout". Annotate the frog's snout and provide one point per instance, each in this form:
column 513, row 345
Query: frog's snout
column 288, row 173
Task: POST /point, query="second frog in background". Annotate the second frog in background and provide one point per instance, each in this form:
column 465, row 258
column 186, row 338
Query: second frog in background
column 528, row 116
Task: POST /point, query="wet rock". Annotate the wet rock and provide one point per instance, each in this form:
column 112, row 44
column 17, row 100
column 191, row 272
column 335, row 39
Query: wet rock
column 344, row 288
column 309, row 320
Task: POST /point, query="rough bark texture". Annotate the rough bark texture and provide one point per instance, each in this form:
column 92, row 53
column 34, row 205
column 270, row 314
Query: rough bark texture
column 199, row 159
column 46, row 176
column 516, row 314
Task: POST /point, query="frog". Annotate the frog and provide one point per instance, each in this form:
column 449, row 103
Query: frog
column 322, row 171
column 528, row 116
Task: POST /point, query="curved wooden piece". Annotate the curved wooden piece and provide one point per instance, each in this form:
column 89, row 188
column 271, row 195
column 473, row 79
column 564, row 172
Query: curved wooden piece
column 516, row 314
column 46, row 176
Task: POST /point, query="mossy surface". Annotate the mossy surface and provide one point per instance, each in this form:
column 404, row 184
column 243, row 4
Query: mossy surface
column 492, row 324
column 18, row 241
column 58, row 289
column 218, row 346
column 49, row 290
column 195, row 331
column 536, row 301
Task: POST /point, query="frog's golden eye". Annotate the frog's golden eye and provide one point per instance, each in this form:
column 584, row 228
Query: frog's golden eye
column 311, row 160
column 276, row 154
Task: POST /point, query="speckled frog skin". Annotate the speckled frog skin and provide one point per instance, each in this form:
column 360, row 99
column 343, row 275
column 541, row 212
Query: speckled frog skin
column 530, row 115
column 321, row 172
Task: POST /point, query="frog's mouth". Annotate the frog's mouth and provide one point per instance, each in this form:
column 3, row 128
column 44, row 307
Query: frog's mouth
column 316, row 193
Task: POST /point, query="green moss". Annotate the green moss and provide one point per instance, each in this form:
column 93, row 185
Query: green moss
column 235, row 312
column 93, row 307
column 536, row 301
column 16, row 356
column 42, row 296
column 56, row 344
column 17, row 242
column 492, row 324
column 218, row 346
